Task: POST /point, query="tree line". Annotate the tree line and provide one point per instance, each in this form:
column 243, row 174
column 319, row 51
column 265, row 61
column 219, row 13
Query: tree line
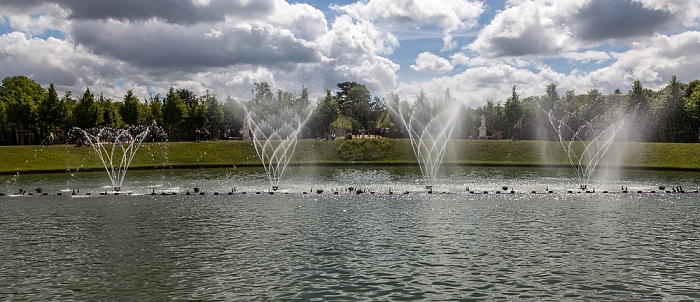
column 30, row 113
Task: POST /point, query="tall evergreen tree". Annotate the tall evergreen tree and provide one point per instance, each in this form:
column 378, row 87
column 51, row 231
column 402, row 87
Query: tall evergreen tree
column 129, row 110
column 52, row 112
column 87, row 113
column 513, row 114
column 174, row 112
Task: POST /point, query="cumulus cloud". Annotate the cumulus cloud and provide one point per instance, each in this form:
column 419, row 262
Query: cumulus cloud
column 450, row 15
column 587, row 56
column 52, row 60
column 156, row 44
column 654, row 62
column 356, row 49
column 541, row 28
column 176, row 12
column 602, row 19
column 427, row 61
column 227, row 45
column 160, row 43
column 526, row 29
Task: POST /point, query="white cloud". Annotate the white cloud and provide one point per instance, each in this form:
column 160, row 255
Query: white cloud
column 226, row 46
column 450, row 15
column 355, row 50
column 427, row 61
column 51, row 60
column 654, row 62
column 541, row 28
column 200, row 3
column 587, row 56
column 526, row 29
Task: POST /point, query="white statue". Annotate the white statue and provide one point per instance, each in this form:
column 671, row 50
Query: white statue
column 246, row 129
column 482, row 129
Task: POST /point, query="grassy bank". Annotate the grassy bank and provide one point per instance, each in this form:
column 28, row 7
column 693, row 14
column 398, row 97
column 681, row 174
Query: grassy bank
column 38, row 159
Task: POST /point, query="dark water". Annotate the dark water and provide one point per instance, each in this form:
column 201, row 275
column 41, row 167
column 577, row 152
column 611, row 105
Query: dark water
column 351, row 248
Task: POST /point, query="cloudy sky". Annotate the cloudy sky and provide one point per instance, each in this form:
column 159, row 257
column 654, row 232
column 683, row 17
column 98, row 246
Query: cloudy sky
column 477, row 49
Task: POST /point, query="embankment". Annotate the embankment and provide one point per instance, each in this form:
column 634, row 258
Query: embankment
column 60, row 158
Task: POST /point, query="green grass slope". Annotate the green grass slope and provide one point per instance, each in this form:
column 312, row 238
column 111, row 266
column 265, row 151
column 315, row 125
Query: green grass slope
column 56, row 158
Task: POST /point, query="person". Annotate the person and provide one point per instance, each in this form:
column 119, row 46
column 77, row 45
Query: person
column 51, row 138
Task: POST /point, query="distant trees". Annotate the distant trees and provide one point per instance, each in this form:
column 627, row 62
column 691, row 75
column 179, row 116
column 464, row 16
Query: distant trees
column 27, row 110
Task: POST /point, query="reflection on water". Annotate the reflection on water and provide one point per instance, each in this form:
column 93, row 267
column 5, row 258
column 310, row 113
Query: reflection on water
column 352, row 247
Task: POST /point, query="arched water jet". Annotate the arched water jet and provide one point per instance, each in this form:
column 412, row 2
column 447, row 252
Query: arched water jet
column 430, row 126
column 585, row 145
column 275, row 131
column 116, row 149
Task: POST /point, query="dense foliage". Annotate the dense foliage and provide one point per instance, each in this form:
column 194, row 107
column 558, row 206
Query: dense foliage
column 31, row 114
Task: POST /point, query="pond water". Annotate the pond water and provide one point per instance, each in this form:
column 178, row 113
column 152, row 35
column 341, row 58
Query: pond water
column 350, row 247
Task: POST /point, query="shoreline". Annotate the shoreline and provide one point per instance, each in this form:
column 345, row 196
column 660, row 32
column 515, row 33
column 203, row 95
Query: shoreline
column 339, row 164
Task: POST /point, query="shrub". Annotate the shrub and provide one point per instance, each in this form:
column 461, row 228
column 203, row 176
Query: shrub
column 363, row 149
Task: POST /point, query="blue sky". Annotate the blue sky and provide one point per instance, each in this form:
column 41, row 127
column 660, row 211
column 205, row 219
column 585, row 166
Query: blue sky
column 477, row 49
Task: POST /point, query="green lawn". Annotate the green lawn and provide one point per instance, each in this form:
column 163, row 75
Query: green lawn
column 340, row 152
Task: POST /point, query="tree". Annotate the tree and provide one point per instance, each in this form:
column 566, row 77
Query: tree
column 550, row 104
column 187, row 97
column 215, row 115
column 324, row 115
column 303, row 101
column 233, row 115
column 52, row 111
column 637, row 108
column 3, row 121
column 692, row 108
column 354, row 102
column 69, row 106
column 262, row 94
column 285, row 98
column 360, row 110
column 173, row 111
column 21, row 96
column 86, row 113
column 110, row 113
column 637, row 99
column 674, row 119
column 345, row 105
column 196, row 116
column 155, row 110
column 551, row 100
column 129, row 110
column 513, row 114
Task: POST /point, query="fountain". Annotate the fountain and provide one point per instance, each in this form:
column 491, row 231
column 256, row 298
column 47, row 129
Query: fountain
column 583, row 141
column 430, row 126
column 116, row 149
column 275, row 130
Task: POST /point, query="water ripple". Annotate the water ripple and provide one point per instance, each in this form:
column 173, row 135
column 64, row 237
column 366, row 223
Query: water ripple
column 349, row 248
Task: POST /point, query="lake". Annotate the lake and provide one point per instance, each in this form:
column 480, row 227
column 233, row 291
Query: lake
column 449, row 245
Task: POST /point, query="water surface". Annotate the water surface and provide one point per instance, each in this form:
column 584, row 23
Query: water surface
column 351, row 247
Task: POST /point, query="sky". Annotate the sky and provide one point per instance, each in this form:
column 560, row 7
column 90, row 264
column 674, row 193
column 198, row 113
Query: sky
column 478, row 50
